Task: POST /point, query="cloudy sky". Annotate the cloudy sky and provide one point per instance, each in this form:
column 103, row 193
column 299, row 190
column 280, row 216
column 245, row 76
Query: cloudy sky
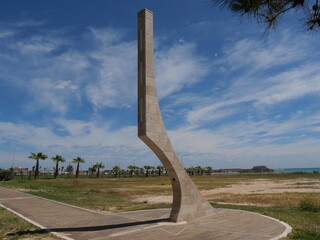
column 230, row 95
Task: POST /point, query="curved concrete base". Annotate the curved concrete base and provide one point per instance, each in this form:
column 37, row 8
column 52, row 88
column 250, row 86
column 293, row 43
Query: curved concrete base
column 70, row 222
column 224, row 224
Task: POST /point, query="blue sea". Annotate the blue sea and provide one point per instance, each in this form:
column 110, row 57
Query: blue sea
column 293, row 170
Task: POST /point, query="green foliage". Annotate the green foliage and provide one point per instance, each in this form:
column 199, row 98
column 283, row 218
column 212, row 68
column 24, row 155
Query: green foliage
column 6, row 175
column 57, row 159
column 270, row 11
column 300, row 172
column 132, row 169
column 78, row 160
column 160, row 169
column 92, row 169
column 306, row 235
column 69, row 168
column 116, row 171
column 98, row 166
column 147, row 168
column 309, row 205
column 37, row 156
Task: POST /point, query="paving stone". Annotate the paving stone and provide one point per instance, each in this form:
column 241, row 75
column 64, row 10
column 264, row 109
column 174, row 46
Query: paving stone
column 70, row 222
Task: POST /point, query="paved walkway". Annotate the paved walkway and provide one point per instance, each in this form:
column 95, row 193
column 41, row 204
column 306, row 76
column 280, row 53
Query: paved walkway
column 70, row 222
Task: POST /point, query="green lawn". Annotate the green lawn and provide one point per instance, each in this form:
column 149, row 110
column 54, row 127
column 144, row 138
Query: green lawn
column 116, row 195
column 13, row 227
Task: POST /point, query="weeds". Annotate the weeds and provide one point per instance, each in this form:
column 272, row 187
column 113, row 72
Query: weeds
column 308, row 204
column 14, row 228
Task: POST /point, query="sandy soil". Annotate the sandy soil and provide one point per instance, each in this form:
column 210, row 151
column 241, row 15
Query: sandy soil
column 260, row 186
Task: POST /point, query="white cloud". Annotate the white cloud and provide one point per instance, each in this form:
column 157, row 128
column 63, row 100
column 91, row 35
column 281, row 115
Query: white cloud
column 53, row 93
column 178, row 66
column 38, row 44
column 57, row 73
column 50, row 79
column 292, row 74
column 71, row 136
column 28, row 23
column 292, row 84
column 210, row 113
column 106, row 37
column 230, row 146
column 6, row 33
column 115, row 80
column 94, row 141
column 256, row 55
column 201, row 141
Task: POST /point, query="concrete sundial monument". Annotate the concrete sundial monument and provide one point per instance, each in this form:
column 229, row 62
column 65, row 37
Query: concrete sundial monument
column 198, row 219
column 188, row 203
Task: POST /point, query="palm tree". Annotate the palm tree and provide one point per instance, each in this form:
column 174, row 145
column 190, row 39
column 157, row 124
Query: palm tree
column 57, row 159
column 37, row 156
column 132, row 168
column 153, row 170
column 191, row 170
column 78, row 160
column 208, row 170
column 141, row 171
column 69, row 168
column 116, row 171
column 160, row 169
column 98, row 166
column 147, row 167
column 92, row 169
column 199, row 170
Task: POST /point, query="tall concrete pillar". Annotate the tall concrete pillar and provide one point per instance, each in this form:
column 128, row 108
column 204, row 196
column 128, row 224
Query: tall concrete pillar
column 188, row 203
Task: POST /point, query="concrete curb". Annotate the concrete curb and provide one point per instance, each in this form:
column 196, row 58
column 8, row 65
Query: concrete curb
column 282, row 235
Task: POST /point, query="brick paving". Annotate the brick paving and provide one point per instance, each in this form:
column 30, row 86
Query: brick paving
column 70, row 222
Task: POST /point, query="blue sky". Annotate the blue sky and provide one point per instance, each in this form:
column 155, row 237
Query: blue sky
column 230, row 95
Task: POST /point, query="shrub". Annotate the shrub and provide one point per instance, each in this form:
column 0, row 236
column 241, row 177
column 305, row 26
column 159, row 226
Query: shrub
column 299, row 172
column 309, row 205
column 6, row 175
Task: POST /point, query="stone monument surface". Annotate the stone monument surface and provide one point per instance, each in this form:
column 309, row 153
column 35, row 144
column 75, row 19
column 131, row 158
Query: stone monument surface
column 188, row 203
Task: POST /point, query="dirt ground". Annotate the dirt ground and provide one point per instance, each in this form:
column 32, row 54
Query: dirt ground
column 259, row 186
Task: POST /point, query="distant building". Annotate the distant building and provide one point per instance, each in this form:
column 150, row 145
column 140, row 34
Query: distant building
column 261, row 169
column 47, row 172
column 83, row 172
column 20, row 171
